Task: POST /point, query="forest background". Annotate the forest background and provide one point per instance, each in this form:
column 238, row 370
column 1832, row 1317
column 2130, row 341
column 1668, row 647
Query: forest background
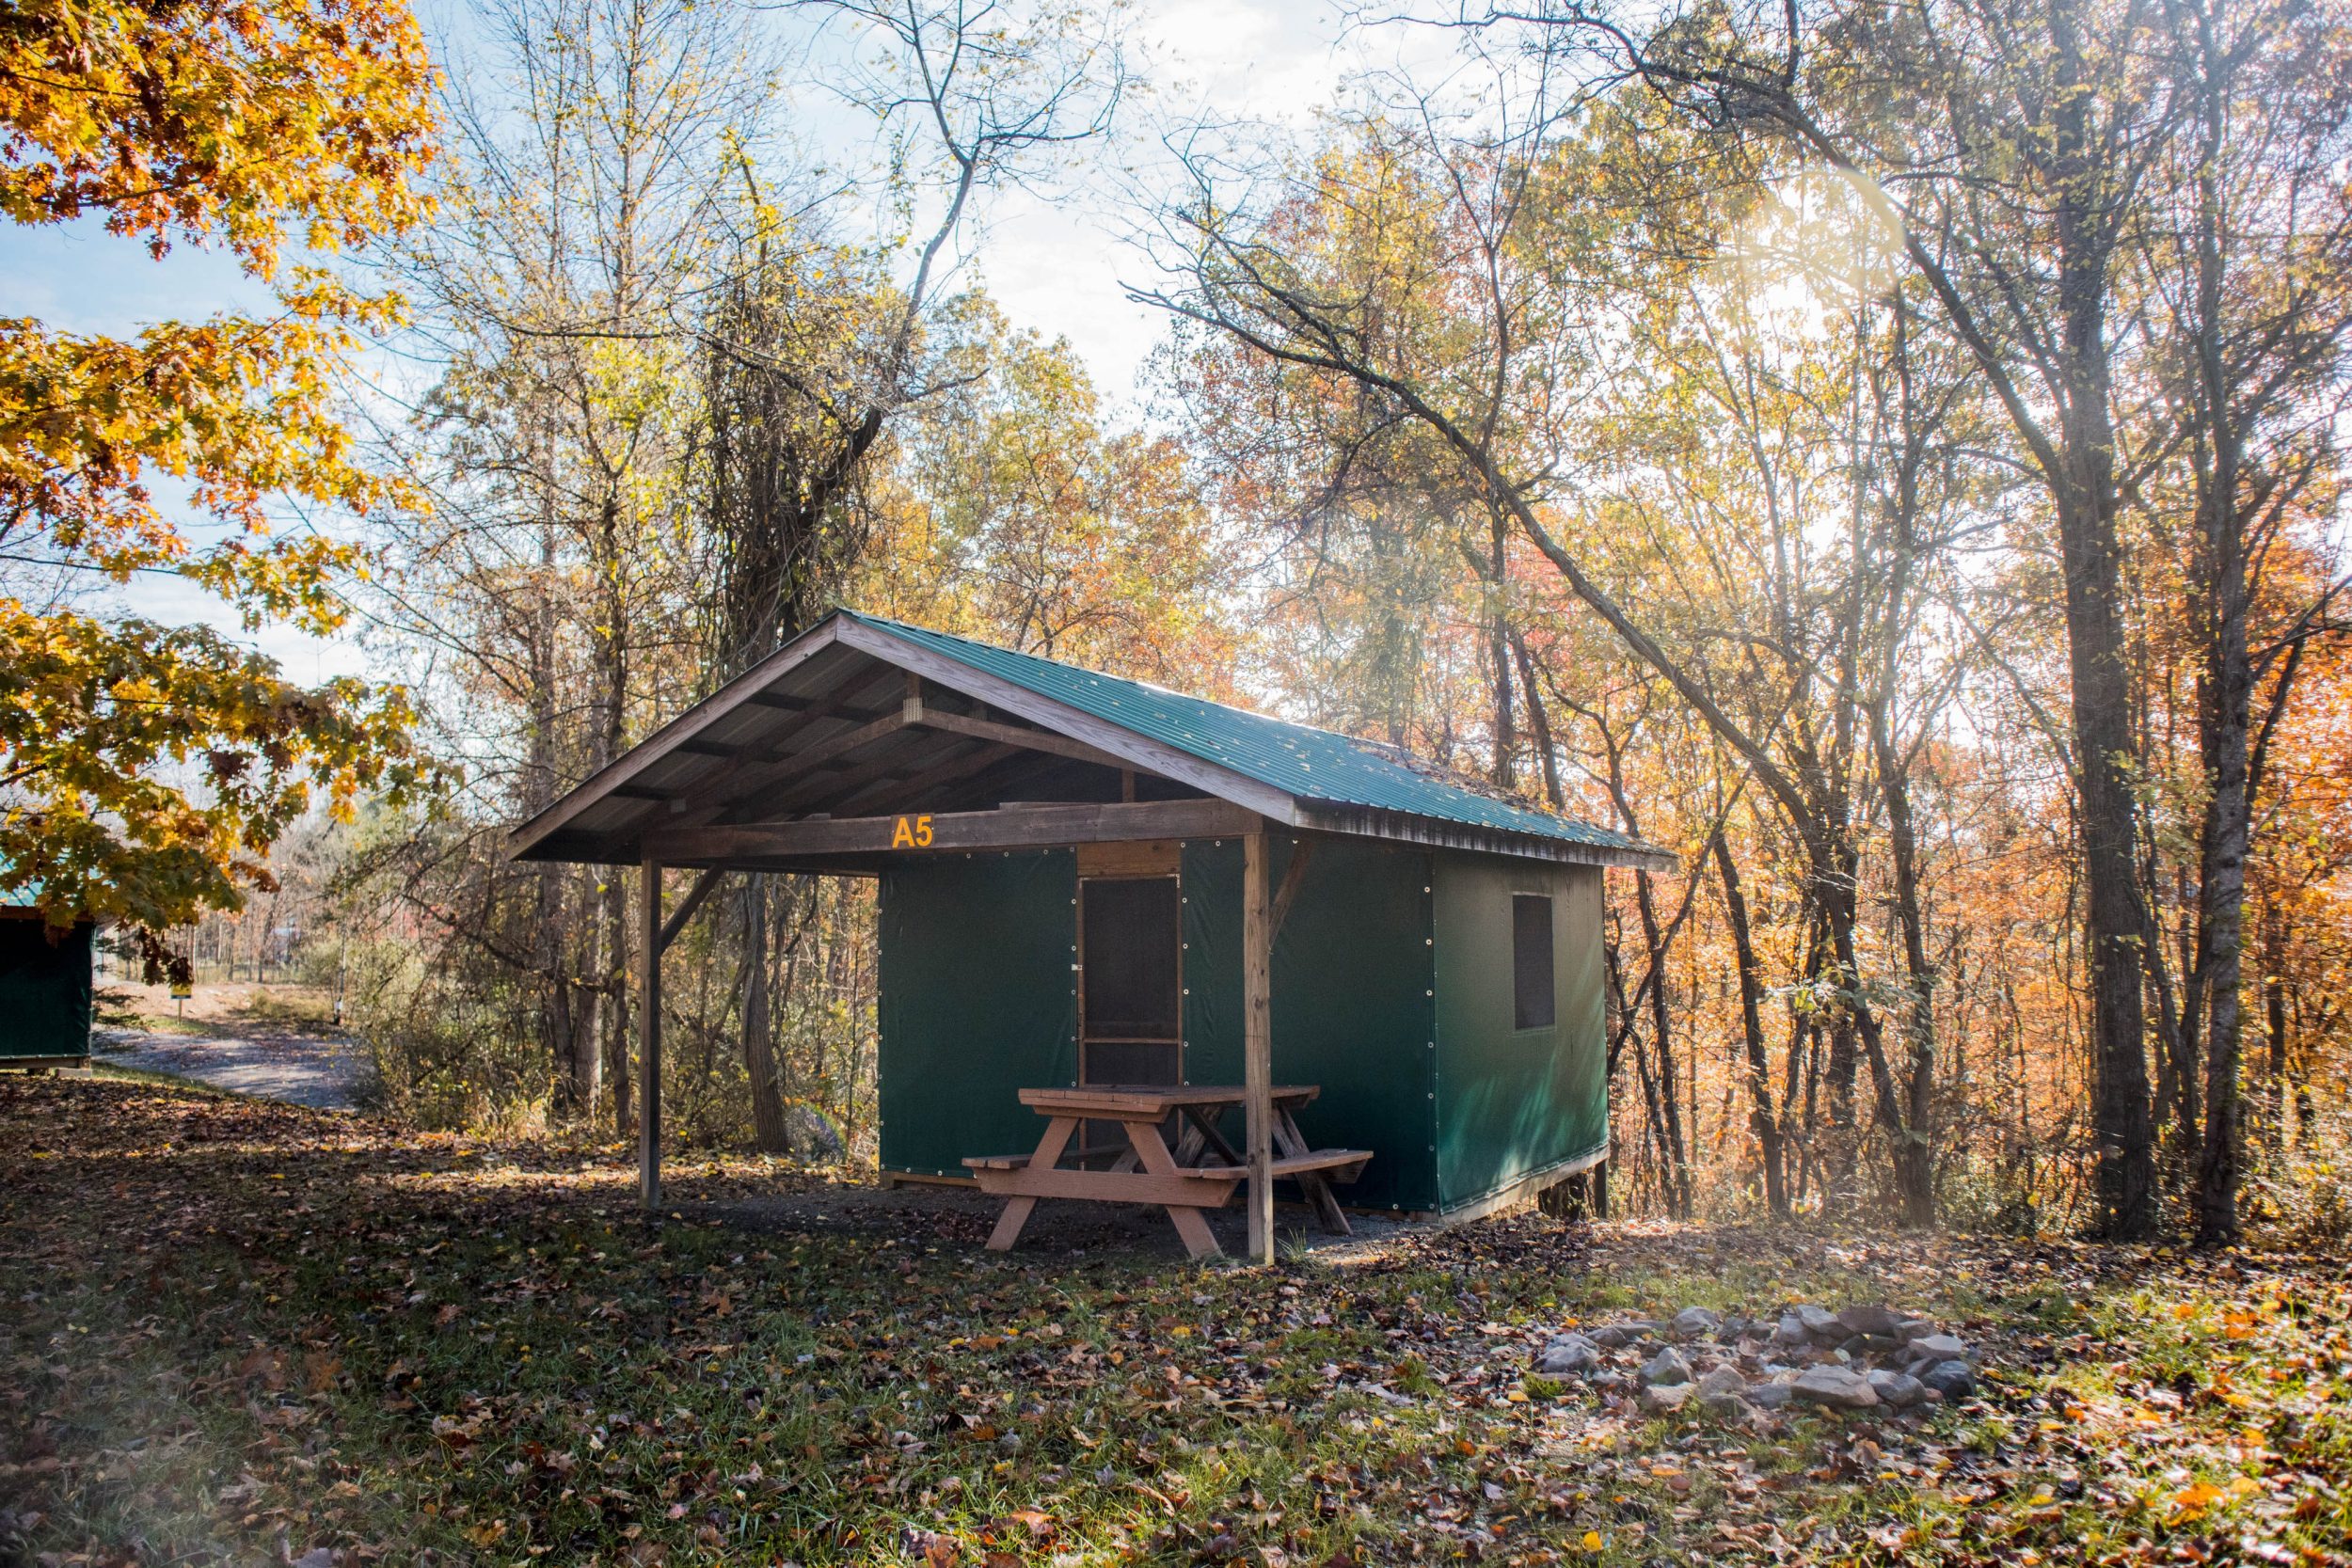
column 1887, row 454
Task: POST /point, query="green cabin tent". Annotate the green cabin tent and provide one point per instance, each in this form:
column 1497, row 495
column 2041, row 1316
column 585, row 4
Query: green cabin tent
column 1061, row 870
column 45, row 985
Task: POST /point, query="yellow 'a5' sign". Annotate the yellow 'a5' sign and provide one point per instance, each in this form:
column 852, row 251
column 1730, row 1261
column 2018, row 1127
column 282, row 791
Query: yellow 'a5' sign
column 911, row 832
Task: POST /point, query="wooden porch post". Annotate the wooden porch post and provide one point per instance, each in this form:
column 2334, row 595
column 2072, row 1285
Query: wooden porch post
column 1257, row 980
column 649, row 1038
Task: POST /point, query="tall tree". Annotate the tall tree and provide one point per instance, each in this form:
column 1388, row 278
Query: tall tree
column 2007, row 149
column 146, row 769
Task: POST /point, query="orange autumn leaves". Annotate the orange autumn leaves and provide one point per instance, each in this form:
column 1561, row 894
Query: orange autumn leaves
column 150, row 768
column 230, row 122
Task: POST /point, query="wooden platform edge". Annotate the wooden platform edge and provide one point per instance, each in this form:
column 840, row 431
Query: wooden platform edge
column 893, row 1179
column 1523, row 1191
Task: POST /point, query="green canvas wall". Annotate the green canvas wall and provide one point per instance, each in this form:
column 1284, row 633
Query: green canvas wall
column 1352, row 1006
column 45, row 990
column 1392, row 991
column 977, row 1002
column 1510, row 1101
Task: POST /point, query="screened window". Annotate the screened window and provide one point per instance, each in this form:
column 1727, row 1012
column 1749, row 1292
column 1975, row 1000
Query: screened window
column 1532, row 997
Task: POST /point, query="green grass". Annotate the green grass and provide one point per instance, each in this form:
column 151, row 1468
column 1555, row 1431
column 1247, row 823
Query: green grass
column 239, row 1331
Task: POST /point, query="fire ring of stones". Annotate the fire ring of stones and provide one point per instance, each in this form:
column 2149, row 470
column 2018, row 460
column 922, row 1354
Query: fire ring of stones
column 1869, row 1358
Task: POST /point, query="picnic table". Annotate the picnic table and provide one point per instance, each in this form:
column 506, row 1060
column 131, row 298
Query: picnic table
column 1202, row 1171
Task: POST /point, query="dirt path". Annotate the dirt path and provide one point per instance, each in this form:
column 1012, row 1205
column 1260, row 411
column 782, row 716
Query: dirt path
column 324, row 1072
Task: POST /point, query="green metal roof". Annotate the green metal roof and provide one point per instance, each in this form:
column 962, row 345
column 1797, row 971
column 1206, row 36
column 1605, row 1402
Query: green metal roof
column 1310, row 764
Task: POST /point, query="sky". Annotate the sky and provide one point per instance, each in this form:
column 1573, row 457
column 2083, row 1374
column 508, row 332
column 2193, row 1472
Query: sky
column 1054, row 259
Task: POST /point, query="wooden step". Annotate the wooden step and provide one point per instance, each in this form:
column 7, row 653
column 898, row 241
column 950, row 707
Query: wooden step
column 1321, row 1159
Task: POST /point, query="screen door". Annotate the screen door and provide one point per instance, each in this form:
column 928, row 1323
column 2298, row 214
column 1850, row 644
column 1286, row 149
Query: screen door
column 1131, row 981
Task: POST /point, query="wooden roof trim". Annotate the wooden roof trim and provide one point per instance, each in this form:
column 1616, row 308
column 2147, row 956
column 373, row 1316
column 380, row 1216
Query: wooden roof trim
column 656, row 745
column 1128, row 746
column 1009, row 827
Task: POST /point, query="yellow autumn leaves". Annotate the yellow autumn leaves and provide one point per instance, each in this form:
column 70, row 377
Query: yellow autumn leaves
column 148, row 768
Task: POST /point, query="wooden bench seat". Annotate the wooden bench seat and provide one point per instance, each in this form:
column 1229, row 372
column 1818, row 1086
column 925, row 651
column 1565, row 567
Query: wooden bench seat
column 997, row 1161
column 1345, row 1164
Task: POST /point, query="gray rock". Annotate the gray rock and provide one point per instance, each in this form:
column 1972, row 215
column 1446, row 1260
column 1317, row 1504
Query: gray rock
column 1835, row 1387
column 1939, row 1347
column 1666, row 1369
column 1721, row 1381
column 1954, row 1380
column 1665, row 1399
column 1900, row 1389
column 1770, row 1396
column 1569, row 1355
column 1616, row 1335
column 1877, row 1318
column 1819, row 1322
column 1692, row 1321
column 1790, row 1331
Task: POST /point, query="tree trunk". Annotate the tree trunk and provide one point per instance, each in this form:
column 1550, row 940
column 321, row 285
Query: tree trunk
column 2226, row 719
column 1539, row 724
column 1915, row 1156
column 769, row 1128
column 2275, row 1022
column 1760, row 1115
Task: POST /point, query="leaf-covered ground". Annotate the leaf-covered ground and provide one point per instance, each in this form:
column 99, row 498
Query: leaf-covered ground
column 239, row 1331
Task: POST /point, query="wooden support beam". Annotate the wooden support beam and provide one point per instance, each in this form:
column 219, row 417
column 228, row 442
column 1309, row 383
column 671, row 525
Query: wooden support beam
column 753, row 771
column 1012, row 827
column 892, row 790
column 649, row 1039
column 1257, row 966
column 825, row 751
column 1301, row 851
column 685, row 911
column 920, row 712
column 830, row 786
